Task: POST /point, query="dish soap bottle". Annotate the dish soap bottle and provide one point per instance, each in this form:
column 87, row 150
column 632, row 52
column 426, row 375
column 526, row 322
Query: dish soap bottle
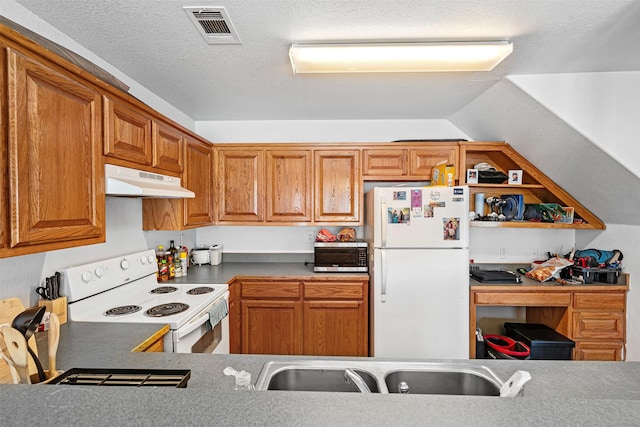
column 243, row 379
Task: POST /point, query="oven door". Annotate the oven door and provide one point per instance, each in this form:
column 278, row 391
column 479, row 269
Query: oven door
column 195, row 338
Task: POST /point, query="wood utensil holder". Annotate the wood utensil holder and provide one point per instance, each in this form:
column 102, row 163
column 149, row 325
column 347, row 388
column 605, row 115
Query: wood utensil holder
column 57, row 306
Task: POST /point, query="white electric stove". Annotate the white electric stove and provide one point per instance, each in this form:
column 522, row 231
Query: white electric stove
column 125, row 289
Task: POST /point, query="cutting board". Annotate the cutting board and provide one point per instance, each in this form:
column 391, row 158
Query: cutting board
column 9, row 309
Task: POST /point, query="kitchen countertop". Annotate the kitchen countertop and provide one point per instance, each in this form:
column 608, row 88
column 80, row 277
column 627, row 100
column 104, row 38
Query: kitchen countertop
column 561, row 392
column 223, row 273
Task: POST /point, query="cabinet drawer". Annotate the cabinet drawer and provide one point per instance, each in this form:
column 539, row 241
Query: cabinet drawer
column 531, row 299
column 333, row 290
column 271, row 289
column 606, row 325
column 599, row 300
column 608, row 351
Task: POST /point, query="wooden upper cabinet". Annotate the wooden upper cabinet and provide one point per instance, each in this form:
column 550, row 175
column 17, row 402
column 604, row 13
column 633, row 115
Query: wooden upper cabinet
column 337, row 186
column 406, row 161
column 240, row 185
column 289, row 185
column 167, row 147
column 127, row 132
column 198, row 177
column 4, row 162
column 384, row 162
column 55, row 158
column 423, row 159
column 180, row 214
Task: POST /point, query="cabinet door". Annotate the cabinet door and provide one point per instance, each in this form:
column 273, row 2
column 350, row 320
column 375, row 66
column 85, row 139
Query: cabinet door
column 271, row 327
column 167, row 147
column 422, row 160
column 289, row 185
column 337, row 186
column 235, row 318
column 384, row 162
column 56, row 170
column 241, row 185
column 127, row 133
column 4, row 179
column 335, row 328
column 198, row 177
column 608, row 351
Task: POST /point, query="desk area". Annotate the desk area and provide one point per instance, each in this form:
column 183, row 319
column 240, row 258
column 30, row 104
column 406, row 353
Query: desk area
column 592, row 315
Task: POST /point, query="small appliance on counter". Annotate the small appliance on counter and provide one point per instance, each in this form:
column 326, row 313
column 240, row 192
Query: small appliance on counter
column 200, row 256
column 341, row 257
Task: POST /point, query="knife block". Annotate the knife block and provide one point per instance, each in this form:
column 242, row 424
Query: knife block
column 57, row 306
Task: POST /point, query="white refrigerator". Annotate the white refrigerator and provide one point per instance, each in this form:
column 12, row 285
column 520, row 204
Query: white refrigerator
column 419, row 237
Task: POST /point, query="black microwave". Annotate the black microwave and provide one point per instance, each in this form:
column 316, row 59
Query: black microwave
column 340, row 257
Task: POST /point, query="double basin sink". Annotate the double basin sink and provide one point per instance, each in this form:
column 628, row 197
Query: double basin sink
column 385, row 377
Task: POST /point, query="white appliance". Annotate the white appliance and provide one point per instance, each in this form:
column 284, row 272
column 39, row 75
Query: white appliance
column 419, row 238
column 121, row 181
column 124, row 289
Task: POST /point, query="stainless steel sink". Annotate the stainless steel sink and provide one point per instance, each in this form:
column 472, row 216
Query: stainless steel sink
column 315, row 379
column 441, row 382
column 380, row 377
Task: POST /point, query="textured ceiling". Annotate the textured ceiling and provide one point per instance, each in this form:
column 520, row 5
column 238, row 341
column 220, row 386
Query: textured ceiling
column 156, row 44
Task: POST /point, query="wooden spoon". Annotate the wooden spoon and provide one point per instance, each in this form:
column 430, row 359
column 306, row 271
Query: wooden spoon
column 4, row 355
column 54, row 338
column 17, row 349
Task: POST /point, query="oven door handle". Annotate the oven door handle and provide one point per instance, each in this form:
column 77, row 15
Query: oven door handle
column 193, row 324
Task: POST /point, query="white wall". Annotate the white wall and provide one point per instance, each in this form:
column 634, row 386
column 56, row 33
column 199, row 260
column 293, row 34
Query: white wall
column 605, row 107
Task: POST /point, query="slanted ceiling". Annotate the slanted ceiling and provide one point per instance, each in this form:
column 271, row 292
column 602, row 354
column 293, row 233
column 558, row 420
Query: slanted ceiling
column 506, row 112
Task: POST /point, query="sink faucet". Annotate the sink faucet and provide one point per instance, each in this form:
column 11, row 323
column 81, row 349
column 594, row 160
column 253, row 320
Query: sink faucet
column 351, row 376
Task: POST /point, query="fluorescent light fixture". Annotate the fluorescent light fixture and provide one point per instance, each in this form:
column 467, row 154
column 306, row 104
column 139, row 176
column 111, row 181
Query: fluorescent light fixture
column 398, row 57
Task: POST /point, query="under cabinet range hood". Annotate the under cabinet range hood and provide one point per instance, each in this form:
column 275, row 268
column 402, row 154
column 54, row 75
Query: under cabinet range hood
column 127, row 182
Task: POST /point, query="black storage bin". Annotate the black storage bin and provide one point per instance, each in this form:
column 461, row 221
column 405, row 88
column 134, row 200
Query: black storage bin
column 544, row 342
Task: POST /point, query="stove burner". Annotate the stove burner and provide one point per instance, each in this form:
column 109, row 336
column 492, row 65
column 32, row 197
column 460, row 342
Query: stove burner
column 167, row 309
column 122, row 310
column 199, row 291
column 164, row 290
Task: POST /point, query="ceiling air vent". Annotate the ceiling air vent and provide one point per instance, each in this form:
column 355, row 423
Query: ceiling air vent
column 213, row 23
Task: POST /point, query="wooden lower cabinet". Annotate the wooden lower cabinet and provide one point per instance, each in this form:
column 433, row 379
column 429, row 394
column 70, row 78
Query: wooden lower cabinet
column 320, row 317
column 271, row 327
column 334, row 328
column 586, row 350
column 592, row 316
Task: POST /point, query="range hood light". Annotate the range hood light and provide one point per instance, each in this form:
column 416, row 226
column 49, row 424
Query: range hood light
column 398, row 57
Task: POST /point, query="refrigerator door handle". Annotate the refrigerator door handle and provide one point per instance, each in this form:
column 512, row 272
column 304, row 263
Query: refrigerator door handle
column 383, row 225
column 383, row 277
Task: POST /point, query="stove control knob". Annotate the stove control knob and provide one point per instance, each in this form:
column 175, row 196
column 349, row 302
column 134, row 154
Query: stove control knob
column 99, row 272
column 86, row 276
column 151, row 259
column 143, row 260
column 124, row 264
